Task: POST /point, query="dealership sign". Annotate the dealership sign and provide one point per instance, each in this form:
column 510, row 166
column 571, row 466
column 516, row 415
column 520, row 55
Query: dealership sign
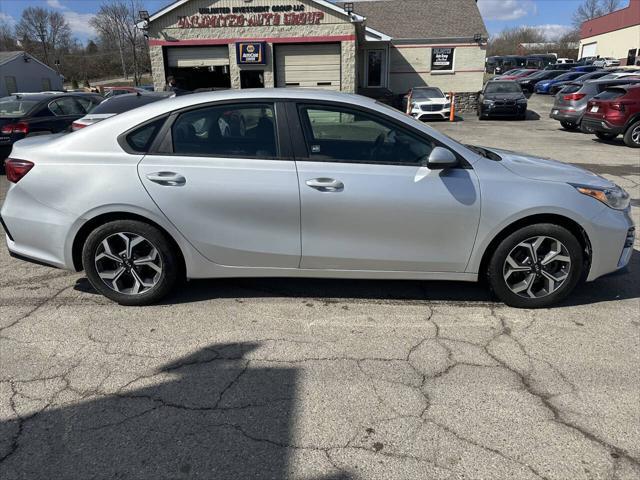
column 442, row 59
column 251, row 53
column 251, row 16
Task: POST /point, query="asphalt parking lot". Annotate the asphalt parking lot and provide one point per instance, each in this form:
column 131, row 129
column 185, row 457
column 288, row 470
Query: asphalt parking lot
column 325, row 379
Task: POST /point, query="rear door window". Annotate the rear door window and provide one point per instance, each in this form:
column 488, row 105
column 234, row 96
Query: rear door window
column 244, row 130
column 66, row 106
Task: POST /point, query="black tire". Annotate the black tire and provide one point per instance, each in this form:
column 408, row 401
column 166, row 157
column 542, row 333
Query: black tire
column 568, row 125
column 605, row 136
column 171, row 265
column 632, row 135
column 496, row 266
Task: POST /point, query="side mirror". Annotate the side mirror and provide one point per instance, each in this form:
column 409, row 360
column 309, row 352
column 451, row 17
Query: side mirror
column 441, row 158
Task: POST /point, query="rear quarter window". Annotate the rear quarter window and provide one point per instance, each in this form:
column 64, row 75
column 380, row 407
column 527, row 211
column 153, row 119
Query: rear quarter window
column 140, row 139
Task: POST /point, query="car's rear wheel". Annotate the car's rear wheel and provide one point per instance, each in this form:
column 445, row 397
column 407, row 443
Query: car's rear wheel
column 536, row 266
column 568, row 125
column 606, row 136
column 632, row 136
column 130, row 262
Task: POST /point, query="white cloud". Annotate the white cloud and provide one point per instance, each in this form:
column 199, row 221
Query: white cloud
column 553, row 31
column 6, row 18
column 78, row 22
column 56, row 4
column 506, row 9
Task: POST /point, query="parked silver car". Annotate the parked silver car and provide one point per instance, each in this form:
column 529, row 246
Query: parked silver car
column 316, row 184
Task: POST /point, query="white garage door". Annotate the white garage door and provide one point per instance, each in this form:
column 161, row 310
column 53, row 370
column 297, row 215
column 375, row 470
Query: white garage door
column 589, row 50
column 197, row 56
column 313, row 65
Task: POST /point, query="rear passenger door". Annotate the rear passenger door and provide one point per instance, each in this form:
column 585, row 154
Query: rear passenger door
column 225, row 179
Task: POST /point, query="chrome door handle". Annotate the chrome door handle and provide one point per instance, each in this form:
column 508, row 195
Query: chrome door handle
column 326, row 184
column 168, row 179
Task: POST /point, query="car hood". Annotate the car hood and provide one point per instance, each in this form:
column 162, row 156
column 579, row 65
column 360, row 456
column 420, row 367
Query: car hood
column 504, row 96
column 537, row 168
column 431, row 101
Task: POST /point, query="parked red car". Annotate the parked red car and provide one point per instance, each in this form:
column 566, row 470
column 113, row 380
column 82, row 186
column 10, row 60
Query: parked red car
column 615, row 111
column 519, row 74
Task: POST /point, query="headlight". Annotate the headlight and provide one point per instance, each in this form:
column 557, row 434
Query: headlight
column 522, row 100
column 615, row 197
column 447, row 105
column 487, row 102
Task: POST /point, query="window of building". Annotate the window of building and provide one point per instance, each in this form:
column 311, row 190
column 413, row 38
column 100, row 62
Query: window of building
column 632, row 56
column 376, row 67
column 46, row 84
column 12, row 85
column 343, row 135
column 442, row 60
column 244, row 130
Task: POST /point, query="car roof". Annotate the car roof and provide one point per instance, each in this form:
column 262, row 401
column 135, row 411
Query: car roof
column 39, row 96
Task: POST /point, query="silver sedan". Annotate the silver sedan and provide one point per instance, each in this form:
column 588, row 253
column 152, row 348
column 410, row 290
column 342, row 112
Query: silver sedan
column 301, row 183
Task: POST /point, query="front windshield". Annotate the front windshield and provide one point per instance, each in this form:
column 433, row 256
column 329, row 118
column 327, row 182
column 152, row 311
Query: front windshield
column 15, row 106
column 420, row 93
column 502, row 87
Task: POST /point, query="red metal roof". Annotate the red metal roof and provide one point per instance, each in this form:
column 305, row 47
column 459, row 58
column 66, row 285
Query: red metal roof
column 624, row 18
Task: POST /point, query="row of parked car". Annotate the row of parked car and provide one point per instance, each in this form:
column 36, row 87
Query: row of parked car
column 42, row 113
column 501, row 64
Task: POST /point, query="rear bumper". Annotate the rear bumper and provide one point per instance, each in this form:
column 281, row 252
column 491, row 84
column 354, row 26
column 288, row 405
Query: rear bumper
column 36, row 231
column 571, row 116
column 598, row 125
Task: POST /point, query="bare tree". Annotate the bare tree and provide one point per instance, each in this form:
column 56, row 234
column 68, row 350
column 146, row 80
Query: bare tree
column 109, row 22
column 508, row 41
column 45, row 28
column 593, row 8
column 7, row 39
column 609, row 6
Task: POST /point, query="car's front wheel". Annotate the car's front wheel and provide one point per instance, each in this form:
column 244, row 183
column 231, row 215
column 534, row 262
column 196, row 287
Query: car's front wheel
column 536, row 266
column 632, row 136
column 130, row 262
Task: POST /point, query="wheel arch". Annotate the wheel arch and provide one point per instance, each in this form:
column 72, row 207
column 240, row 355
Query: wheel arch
column 574, row 227
column 635, row 118
column 94, row 222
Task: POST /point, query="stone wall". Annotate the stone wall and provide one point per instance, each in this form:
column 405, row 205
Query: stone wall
column 466, row 102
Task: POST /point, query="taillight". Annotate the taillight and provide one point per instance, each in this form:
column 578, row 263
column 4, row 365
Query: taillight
column 20, row 127
column 574, row 96
column 16, row 169
column 77, row 126
column 617, row 106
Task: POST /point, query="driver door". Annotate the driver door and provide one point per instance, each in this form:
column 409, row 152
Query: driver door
column 369, row 204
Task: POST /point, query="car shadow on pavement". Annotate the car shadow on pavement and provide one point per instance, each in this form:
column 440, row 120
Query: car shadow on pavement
column 210, row 415
column 617, row 286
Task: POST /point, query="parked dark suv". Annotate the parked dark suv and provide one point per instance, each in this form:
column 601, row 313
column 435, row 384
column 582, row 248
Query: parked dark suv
column 616, row 111
column 28, row 114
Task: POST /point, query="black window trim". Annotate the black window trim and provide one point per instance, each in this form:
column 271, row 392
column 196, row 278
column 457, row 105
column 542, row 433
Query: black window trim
column 301, row 151
column 163, row 143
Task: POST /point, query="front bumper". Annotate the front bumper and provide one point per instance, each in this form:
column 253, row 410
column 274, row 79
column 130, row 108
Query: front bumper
column 611, row 234
column 422, row 115
column 494, row 110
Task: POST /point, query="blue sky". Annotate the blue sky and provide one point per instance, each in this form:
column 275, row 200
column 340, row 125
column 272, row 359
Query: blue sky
column 554, row 16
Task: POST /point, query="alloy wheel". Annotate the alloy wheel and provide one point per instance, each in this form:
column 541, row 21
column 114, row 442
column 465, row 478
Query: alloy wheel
column 128, row 263
column 537, row 267
column 635, row 135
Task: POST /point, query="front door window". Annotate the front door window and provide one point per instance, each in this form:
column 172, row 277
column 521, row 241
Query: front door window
column 375, row 68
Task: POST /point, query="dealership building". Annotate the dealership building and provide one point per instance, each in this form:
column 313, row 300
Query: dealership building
column 378, row 48
column 615, row 35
